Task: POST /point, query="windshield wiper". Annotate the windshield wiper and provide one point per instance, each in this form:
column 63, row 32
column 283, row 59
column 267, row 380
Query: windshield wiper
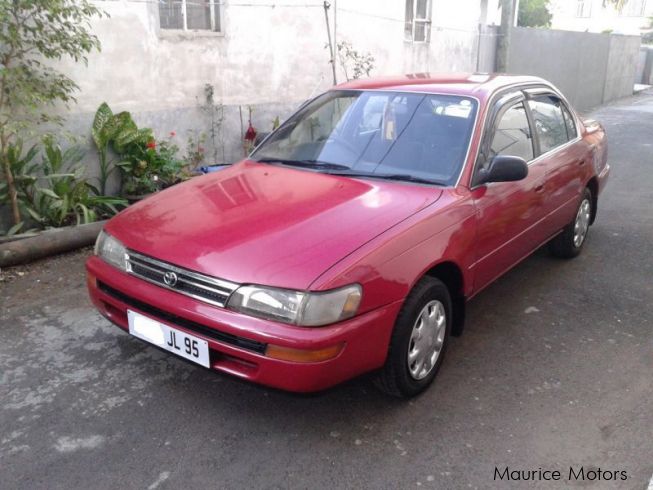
column 305, row 163
column 401, row 177
column 316, row 164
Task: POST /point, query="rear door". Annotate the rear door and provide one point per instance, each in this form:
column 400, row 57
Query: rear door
column 563, row 155
column 508, row 213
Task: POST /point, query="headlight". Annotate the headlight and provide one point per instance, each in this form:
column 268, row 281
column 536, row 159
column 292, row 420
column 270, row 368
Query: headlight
column 297, row 307
column 111, row 250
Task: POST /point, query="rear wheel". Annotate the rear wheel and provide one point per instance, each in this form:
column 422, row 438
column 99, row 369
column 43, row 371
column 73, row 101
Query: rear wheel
column 569, row 243
column 419, row 340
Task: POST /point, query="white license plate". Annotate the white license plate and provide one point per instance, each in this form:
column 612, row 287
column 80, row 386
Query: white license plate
column 168, row 338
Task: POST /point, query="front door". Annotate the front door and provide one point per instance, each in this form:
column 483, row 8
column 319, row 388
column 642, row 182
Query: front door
column 509, row 214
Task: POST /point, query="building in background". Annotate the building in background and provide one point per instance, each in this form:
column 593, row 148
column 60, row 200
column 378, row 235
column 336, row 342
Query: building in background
column 602, row 16
column 159, row 57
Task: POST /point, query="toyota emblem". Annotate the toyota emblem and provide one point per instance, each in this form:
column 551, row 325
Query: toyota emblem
column 170, row 278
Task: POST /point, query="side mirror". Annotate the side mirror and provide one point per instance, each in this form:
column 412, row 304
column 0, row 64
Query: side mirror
column 505, row 168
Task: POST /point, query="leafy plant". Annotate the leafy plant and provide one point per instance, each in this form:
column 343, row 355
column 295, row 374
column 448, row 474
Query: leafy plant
column 534, row 13
column 60, row 194
column 353, row 62
column 118, row 131
column 618, row 5
column 145, row 166
column 647, row 38
column 102, row 132
column 150, row 167
column 22, row 170
column 195, row 153
column 31, row 33
column 215, row 113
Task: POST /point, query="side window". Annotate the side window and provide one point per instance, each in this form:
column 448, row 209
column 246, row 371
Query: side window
column 569, row 122
column 513, row 135
column 550, row 124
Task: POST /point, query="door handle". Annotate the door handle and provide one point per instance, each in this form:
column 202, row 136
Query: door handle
column 539, row 188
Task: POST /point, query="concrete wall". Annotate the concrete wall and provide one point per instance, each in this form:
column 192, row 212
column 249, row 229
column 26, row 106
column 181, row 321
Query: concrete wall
column 487, row 49
column 645, row 66
column 271, row 56
column 601, row 17
column 621, row 71
column 590, row 69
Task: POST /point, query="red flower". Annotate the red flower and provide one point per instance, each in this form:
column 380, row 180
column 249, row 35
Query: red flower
column 250, row 134
column 151, row 144
column 200, row 149
column 172, row 134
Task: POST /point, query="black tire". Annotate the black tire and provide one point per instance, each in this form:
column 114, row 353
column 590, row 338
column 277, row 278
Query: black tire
column 563, row 245
column 395, row 378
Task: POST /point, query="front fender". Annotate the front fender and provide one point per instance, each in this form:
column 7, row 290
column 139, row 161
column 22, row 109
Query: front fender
column 389, row 266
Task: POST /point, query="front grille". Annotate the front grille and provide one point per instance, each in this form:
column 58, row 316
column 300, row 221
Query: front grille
column 204, row 288
column 164, row 316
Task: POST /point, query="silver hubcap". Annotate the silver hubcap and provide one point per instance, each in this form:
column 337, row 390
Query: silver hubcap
column 426, row 339
column 582, row 222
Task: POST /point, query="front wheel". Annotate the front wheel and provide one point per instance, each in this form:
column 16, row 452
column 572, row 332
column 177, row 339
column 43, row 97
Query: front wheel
column 419, row 340
column 569, row 243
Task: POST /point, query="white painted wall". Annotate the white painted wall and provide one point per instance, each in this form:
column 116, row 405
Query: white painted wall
column 601, row 18
column 270, row 51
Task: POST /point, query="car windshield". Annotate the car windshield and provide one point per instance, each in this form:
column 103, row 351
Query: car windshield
column 393, row 135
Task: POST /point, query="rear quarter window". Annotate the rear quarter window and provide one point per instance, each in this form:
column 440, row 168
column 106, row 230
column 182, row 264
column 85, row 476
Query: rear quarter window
column 569, row 122
column 550, row 124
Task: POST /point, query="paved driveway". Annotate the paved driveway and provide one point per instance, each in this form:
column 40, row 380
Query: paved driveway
column 555, row 369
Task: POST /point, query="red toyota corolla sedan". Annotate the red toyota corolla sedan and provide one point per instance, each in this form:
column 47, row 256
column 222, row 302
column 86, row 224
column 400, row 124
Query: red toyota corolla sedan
column 351, row 238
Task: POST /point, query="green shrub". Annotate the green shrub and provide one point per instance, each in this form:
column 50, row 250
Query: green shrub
column 145, row 165
column 33, row 33
column 55, row 192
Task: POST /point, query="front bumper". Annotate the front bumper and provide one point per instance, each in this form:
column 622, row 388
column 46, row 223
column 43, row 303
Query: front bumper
column 238, row 342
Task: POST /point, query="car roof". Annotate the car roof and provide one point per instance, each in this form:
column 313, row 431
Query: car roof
column 480, row 85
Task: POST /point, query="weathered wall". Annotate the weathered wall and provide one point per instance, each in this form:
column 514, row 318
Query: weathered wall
column 487, row 49
column 603, row 17
column 590, row 69
column 645, row 65
column 621, row 70
column 271, row 56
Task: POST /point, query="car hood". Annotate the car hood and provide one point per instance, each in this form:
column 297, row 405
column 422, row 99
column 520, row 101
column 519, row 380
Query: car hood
column 265, row 224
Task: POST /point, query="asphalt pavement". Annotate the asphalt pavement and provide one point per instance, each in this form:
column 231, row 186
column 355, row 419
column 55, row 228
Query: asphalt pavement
column 554, row 370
